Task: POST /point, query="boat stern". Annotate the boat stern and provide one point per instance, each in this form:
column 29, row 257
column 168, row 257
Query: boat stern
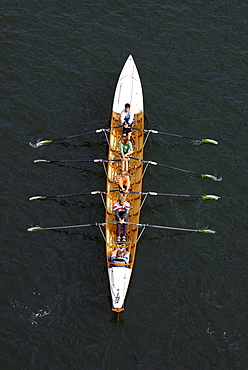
column 119, row 278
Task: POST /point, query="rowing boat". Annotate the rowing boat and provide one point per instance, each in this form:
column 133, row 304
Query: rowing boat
column 128, row 90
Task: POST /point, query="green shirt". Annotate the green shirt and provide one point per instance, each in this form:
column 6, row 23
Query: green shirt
column 126, row 148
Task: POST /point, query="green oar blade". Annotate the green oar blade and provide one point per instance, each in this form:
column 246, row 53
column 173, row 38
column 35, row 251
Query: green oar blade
column 35, row 228
column 41, row 160
column 211, row 177
column 209, row 196
column 40, row 143
column 207, row 231
column 210, row 141
column 37, row 197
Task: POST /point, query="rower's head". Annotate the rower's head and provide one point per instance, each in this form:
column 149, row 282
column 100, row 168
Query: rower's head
column 119, row 253
column 121, row 199
column 127, row 107
column 124, row 139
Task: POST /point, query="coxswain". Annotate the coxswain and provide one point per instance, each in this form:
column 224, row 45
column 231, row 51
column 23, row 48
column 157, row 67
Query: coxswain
column 120, row 257
column 127, row 120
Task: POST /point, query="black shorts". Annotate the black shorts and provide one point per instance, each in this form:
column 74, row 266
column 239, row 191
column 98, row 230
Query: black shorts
column 126, row 130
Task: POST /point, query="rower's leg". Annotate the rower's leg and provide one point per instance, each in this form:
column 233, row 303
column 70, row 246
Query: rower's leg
column 125, row 227
column 123, row 165
column 126, row 164
column 118, row 229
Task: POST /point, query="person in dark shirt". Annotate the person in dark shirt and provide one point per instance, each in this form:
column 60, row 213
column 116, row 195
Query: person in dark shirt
column 127, row 119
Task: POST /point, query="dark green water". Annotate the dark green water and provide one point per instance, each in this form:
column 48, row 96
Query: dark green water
column 187, row 303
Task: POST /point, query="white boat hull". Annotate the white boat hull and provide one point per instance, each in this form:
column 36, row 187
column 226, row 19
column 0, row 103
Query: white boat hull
column 129, row 89
column 119, row 278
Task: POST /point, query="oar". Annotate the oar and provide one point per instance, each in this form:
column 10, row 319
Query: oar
column 42, row 197
column 179, row 169
column 94, row 192
column 206, row 196
column 49, row 141
column 38, row 228
column 209, row 141
column 206, row 231
column 76, row 160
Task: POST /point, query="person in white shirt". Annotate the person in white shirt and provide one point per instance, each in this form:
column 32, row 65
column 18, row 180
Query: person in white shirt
column 127, row 119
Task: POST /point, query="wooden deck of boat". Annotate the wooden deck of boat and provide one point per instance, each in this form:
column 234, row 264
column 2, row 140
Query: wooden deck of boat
column 135, row 173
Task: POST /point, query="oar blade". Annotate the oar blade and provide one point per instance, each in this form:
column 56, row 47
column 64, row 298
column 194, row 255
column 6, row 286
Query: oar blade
column 41, row 161
column 40, row 143
column 37, row 197
column 210, row 141
column 211, row 177
column 35, row 228
column 207, row 231
column 210, row 196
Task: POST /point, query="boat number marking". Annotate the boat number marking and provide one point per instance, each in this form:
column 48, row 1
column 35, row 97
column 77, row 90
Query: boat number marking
column 117, row 298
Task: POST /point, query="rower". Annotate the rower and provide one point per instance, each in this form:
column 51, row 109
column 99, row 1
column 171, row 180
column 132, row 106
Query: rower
column 127, row 120
column 121, row 210
column 120, row 257
column 126, row 149
column 124, row 183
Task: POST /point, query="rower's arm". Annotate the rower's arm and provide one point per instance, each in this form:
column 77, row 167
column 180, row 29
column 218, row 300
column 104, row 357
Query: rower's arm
column 121, row 182
column 128, row 182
